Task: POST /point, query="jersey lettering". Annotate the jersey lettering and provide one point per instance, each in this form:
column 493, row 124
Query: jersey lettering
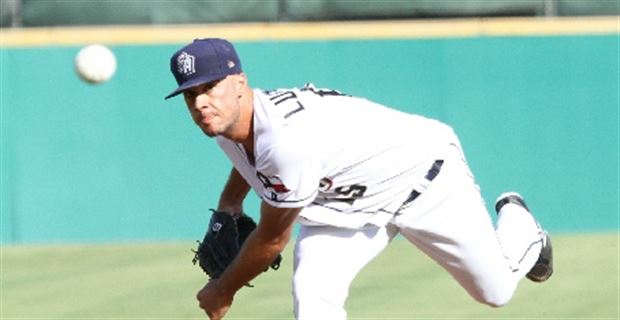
column 350, row 193
column 286, row 99
column 279, row 97
column 282, row 96
column 300, row 108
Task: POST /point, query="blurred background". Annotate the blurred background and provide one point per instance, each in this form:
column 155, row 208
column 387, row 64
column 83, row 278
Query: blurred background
column 104, row 188
column 530, row 86
column 45, row 13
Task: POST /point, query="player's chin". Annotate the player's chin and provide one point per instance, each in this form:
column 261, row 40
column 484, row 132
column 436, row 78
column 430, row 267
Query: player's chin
column 205, row 127
column 208, row 131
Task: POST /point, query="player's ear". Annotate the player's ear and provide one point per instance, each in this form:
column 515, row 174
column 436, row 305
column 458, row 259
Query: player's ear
column 241, row 82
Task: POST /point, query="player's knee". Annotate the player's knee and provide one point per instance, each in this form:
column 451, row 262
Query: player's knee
column 492, row 291
column 494, row 299
column 497, row 303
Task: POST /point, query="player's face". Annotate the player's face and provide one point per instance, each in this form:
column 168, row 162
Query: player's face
column 214, row 106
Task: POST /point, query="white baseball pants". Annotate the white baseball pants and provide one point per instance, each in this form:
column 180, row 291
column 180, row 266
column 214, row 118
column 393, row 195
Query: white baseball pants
column 448, row 222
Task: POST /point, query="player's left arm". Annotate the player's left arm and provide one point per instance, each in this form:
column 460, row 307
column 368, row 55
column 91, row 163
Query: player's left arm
column 258, row 252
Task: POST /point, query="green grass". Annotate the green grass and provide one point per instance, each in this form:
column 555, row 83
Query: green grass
column 141, row 281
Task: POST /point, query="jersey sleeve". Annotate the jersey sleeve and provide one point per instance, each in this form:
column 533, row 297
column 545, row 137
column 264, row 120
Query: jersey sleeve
column 289, row 173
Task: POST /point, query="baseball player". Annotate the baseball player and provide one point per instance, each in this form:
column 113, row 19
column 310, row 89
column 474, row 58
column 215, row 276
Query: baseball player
column 354, row 174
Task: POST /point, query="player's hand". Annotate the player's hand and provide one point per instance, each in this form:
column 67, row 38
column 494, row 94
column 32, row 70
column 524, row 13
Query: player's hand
column 214, row 302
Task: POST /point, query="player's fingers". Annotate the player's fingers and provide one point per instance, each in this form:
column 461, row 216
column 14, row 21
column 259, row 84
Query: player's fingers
column 212, row 316
column 199, row 294
column 218, row 314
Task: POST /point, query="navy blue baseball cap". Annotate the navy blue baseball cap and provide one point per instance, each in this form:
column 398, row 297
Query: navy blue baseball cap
column 202, row 61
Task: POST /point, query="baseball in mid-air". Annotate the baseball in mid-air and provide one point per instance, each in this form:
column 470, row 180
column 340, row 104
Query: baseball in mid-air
column 95, row 63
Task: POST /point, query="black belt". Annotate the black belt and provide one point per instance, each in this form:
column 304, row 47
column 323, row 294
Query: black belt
column 430, row 176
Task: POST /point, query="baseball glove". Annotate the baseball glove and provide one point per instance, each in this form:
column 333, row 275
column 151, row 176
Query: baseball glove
column 222, row 242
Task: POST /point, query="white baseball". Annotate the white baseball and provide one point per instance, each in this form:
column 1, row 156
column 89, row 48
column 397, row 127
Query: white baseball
column 95, row 63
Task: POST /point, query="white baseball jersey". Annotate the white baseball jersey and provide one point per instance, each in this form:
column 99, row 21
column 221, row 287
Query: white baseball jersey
column 346, row 160
column 351, row 163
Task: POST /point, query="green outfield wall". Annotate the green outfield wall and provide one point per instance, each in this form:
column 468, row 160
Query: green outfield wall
column 115, row 162
column 31, row 13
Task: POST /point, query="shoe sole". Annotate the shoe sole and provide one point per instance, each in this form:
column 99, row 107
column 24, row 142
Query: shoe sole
column 543, row 268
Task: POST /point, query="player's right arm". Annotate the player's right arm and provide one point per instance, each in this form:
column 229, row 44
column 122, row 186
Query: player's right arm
column 235, row 191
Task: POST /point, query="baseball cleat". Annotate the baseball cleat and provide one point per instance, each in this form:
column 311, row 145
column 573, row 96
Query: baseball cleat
column 510, row 197
column 543, row 268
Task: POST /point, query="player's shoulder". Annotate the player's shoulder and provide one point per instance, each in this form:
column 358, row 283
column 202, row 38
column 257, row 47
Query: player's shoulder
column 305, row 91
column 310, row 89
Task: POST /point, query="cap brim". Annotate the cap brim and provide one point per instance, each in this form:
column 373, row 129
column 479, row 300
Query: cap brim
column 192, row 83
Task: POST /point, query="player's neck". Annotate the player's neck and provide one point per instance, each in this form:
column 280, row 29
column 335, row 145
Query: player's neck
column 243, row 133
column 248, row 143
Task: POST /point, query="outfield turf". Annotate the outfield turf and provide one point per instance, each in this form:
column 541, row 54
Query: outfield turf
column 158, row 281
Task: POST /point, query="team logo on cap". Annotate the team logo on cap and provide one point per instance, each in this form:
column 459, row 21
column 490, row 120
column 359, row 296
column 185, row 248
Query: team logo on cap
column 186, row 64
